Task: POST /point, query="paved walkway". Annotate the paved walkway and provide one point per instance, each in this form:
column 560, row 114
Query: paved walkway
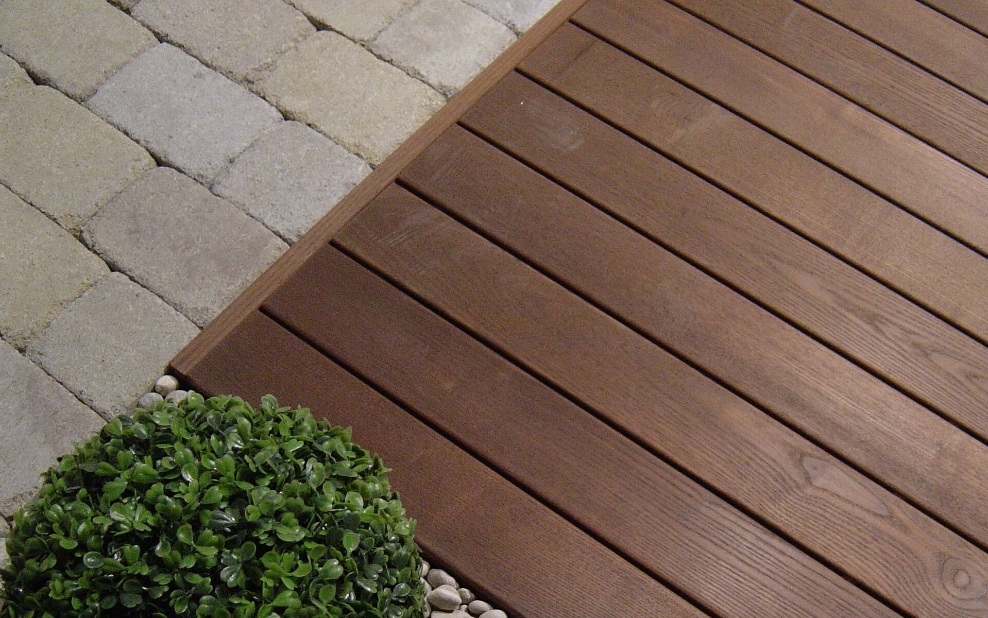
column 156, row 156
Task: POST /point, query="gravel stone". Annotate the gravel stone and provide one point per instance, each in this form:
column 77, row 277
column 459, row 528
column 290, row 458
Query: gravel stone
column 456, row 613
column 177, row 396
column 439, row 577
column 361, row 102
column 4, row 527
column 445, row 41
column 519, row 15
column 444, row 598
column 424, row 570
column 12, row 77
column 217, row 247
column 358, row 20
column 232, row 36
column 72, row 45
column 42, row 268
column 494, row 613
column 149, row 399
column 62, row 159
column 478, row 607
column 185, row 113
column 110, row 343
column 165, row 384
column 4, row 559
column 467, row 596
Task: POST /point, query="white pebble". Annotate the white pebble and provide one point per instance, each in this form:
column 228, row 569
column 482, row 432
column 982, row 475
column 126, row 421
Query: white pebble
column 444, row 598
column 176, row 396
column 424, row 570
column 478, row 607
column 165, row 385
column 439, row 577
column 149, row 399
column 494, row 613
column 453, row 614
column 466, row 595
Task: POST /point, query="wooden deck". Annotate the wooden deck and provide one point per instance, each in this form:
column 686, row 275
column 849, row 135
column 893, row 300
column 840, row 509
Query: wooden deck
column 679, row 309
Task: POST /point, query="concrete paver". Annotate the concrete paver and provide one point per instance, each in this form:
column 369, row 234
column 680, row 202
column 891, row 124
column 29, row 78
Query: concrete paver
column 519, row 15
column 289, row 178
column 445, row 41
column 360, row 21
column 185, row 113
column 42, row 267
column 12, row 76
column 109, row 345
column 61, row 158
column 232, row 36
column 93, row 40
column 35, row 410
column 362, row 103
column 193, row 249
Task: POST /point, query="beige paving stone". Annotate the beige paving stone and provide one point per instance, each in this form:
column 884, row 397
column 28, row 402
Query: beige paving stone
column 42, row 268
column 360, row 21
column 12, row 77
column 519, row 15
column 445, row 41
column 232, row 36
column 362, row 103
column 61, row 158
column 72, row 45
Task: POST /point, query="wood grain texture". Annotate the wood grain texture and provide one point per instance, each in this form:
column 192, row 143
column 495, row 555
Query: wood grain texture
column 668, row 406
column 895, row 89
column 245, row 304
column 972, row 13
column 913, row 174
column 930, row 39
column 528, row 568
column 781, row 181
column 599, row 479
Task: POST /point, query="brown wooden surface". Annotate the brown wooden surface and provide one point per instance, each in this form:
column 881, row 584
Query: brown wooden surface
column 973, row 13
column 676, row 320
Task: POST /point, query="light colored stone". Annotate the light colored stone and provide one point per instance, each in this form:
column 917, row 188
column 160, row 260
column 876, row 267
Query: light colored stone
column 444, row 598
column 424, row 569
column 109, row 344
column 42, row 267
column 39, row 421
column 358, row 20
column 12, row 77
column 232, row 36
column 191, row 248
column 177, row 396
column 125, row 5
column 519, row 15
column 4, row 527
column 456, row 613
column 72, row 45
column 467, row 596
column 494, row 613
column 4, row 559
column 445, row 41
column 289, row 178
column 478, row 607
column 61, row 158
column 149, row 399
column 185, row 113
column 439, row 577
column 361, row 102
column 165, row 384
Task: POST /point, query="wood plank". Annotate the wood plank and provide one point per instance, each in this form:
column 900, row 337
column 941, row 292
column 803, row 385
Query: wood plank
column 802, row 193
column 382, row 176
column 807, row 286
column 913, row 174
column 895, row 89
column 972, row 13
column 546, row 567
column 928, row 38
column 628, row 498
column 666, row 405
column 666, row 523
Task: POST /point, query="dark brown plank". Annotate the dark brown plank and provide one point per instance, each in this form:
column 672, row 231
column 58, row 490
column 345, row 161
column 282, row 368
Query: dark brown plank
column 791, row 187
column 893, row 88
column 912, row 173
column 973, row 13
column 666, row 405
column 627, row 497
column 799, row 281
column 932, row 40
column 528, row 568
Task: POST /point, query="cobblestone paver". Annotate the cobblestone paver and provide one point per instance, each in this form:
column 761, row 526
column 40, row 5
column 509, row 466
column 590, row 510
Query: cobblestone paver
column 360, row 21
column 42, row 267
column 232, row 36
column 444, row 41
column 519, row 15
column 93, row 40
column 369, row 108
column 167, row 231
column 185, row 113
column 289, row 178
column 61, row 158
column 12, row 77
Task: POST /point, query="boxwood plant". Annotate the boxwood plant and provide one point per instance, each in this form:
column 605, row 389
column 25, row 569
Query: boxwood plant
column 214, row 508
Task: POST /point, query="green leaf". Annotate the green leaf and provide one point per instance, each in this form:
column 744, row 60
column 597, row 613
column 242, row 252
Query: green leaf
column 129, row 600
column 114, row 489
column 350, row 541
column 93, row 560
column 184, row 534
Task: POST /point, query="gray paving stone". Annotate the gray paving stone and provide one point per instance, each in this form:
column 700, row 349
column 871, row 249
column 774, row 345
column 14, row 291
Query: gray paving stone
column 191, row 248
column 61, row 158
column 358, row 20
column 4, row 528
column 12, row 77
column 72, row 45
column 185, row 113
column 125, row 5
column 444, row 41
column 361, row 102
column 519, row 15
column 232, row 36
column 110, row 344
column 289, row 178
column 39, row 421
column 42, row 267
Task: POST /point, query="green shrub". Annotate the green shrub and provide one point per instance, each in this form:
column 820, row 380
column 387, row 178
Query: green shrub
column 213, row 508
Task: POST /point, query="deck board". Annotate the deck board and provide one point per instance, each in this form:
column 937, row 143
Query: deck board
column 658, row 325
